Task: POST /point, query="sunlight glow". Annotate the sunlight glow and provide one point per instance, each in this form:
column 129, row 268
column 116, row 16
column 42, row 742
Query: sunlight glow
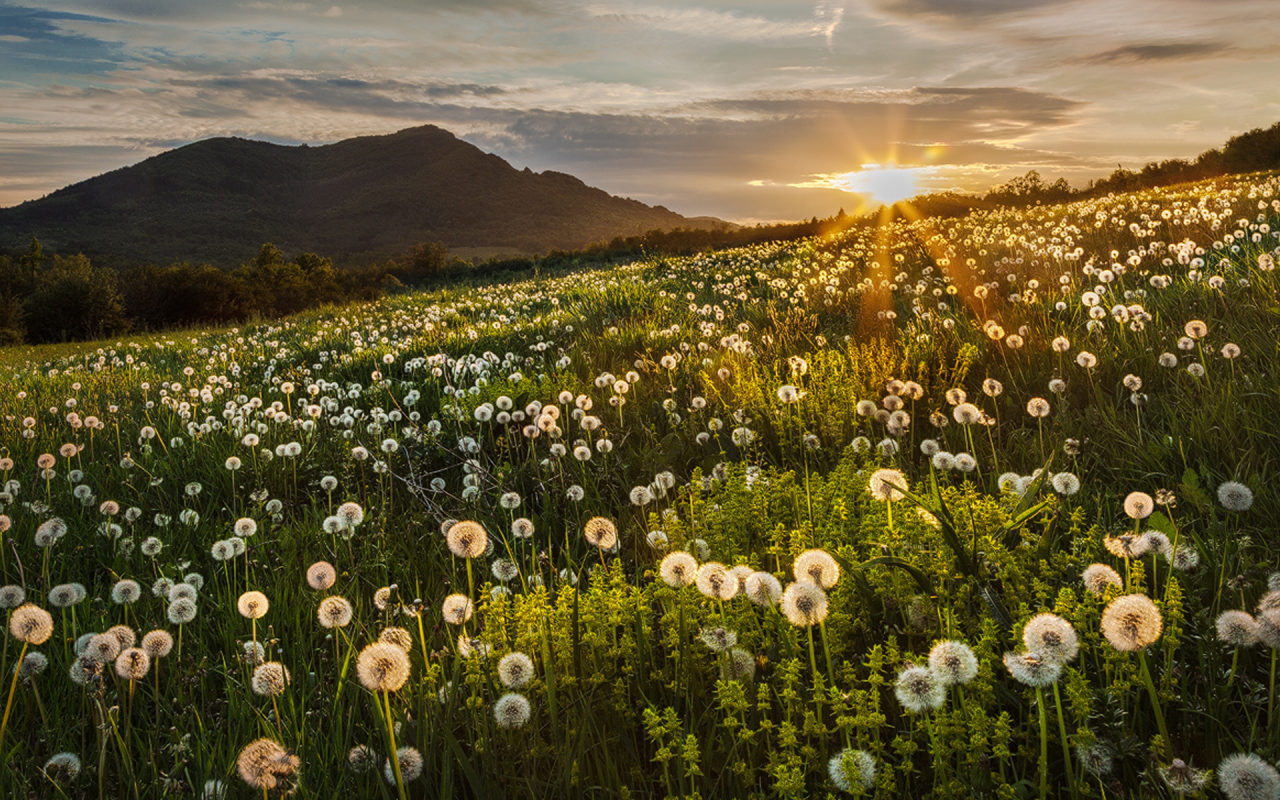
column 888, row 185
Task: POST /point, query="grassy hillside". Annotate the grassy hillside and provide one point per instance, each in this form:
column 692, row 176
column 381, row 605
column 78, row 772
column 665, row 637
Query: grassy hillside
column 1073, row 405
column 218, row 200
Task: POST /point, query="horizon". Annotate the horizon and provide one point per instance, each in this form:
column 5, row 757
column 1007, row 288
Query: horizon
column 750, row 111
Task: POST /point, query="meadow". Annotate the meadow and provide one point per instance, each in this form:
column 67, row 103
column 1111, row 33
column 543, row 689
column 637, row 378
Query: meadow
column 971, row 507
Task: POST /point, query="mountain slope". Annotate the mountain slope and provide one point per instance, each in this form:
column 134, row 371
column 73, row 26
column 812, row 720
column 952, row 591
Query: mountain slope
column 218, row 200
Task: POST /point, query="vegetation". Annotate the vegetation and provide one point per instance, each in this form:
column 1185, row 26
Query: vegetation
column 972, row 506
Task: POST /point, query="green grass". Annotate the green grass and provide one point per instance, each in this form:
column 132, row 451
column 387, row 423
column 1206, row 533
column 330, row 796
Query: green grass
column 627, row 701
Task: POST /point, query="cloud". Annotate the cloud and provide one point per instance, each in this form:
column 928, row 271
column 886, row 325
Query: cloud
column 965, row 9
column 1173, row 51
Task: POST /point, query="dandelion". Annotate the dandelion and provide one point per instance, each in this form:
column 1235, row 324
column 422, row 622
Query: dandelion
column 919, row 690
column 1139, row 505
column 762, row 589
column 817, row 567
column 1246, row 776
column 382, row 597
column 641, row 496
column 457, row 609
column 1095, row 758
column 361, row 759
column 245, row 527
column 157, row 643
column 1052, row 637
column 30, row 624
column 398, row 636
column 382, row 667
column 1127, row 545
column 1131, row 622
column 953, row 663
column 804, row 604
column 1182, row 779
column 12, row 596
column 678, row 569
column 515, row 670
column 64, row 595
column 321, row 575
column 133, row 664
column 511, row 711
column 270, row 679
column 264, row 764
column 1196, row 329
column 411, row 763
column 334, row 612
column 253, row 605
column 714, row 581
column 887, row 485
column 1032, row 669
column 351, row 514
column 718, row 639
column 740, row 666
column 467, row 539
column 102, row 648
column 182, row 611
column 62, row 768
column 852, row 767
column 124, row 635
column 967, row 414
column 1097, row 577
column 1065, row 483
column 521, row 528
column 50, row 531
column 1235, row 496
column 600, row 532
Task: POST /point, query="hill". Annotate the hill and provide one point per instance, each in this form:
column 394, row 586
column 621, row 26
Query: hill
column 218, row 200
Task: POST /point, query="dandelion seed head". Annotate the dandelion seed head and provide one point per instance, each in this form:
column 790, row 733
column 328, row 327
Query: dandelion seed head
column 804, row 604
column 600, row 532
column 714, row 581
column 886, row 485
column 515, row 670
column 63, row 768
column 264, row 764
column 817, row 567
column 133, row 664
column 457, row 609
column 334, row 612
column 1032, row 669
column 31, row 624
column 919, row 690
column 1235, row 496
column 953, row 663
column 182, row 611
column 1097, row 577
column 361, row 759
column 762, row 588
column 852, row 767
column 382, row 667
column 718, row 639
column 1139, row 505
column 678, row 569
column 1095, row 758
column 1246, row 776
column 157, row 643
column 397, row 636
column 321, row 576
column 1131, row 622
column 411, row 763
column 253, row 605
column 1052, row 637
column 467, row 539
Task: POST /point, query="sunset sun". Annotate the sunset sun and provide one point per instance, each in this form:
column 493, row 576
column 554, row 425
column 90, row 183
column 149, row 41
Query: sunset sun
column 886, row 185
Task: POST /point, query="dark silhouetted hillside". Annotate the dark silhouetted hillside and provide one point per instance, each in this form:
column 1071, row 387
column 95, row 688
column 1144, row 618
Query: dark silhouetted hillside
column 218, row 200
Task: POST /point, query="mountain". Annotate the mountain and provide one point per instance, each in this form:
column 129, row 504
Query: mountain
column 218, row 200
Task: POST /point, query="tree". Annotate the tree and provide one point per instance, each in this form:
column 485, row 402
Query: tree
column 75, row 300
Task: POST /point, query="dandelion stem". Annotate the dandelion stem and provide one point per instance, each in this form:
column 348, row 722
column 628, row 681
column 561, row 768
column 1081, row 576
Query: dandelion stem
column 1044, row 744
column 8, row 706
column 391, row 735
column 1066, row 748
column 1167, row 743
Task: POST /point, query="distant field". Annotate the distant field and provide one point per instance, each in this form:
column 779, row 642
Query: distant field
column 777, row 522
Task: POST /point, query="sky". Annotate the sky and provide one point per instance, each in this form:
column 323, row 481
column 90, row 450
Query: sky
column 748, row 110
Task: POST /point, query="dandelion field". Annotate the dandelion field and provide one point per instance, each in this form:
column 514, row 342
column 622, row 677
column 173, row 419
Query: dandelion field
column 949, row 508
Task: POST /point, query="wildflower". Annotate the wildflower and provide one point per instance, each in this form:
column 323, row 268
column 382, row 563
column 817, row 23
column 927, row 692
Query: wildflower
column 850, row 767
column 411, row 763
column 398, row 637
column 31, row 624
column 966, row 414
column 1127, row 545
column 1095, row 758
column 1182, row 779
column 157, row 643
column 245, row 527
column 351, row 514
column 817, row 567
column 321, row 575
column 1131, row 622
column 133, row 664
column 1097, row 577
column 124, row 635
column 678, row 569
column 715, row 582
column 382, row 597
column 504, row 570
column 457, row 609
column 50, row 531
column 1237, row 628
column 103, row 648
column 515, row 670
column 804, row 604
column 382, row 667
column 1185, row 558
column 718, row 639
column 740, row 666
column 1038, row 407
column 919, row 690
column 762, row 588
column 1139, row 505
column 965, row 463
column 270, row 679
column 12, row 596
column 182, row 591
column 887, row 484
column 467, row 539
column 1032, row 669
column 521, row 528
column 182, row 611
column 1196, row 329
column 361, row 759
column 1235, row 496
column 253, row 605
column 63, row 595
column 511, row 711
column 1052, row 637
column 334, row 612
column 33, row 663
column 62, row 768
column 641, row 496
column 600, row 532
column 264, row 764
column 1245, row 776
column 953, row 663
column 1065, row 483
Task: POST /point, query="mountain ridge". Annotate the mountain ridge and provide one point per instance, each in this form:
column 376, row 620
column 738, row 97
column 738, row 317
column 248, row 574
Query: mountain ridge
column 217, row 200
